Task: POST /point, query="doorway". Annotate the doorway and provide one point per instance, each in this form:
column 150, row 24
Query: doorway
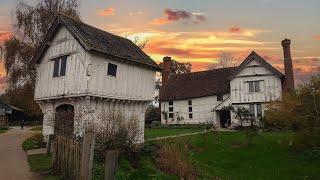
column 64, row 120
column 225, row 118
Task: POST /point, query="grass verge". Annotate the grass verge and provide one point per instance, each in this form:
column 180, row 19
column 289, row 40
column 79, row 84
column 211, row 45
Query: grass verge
column 3, row 129
column 34, row 142
column 41, row 163
column 36, row 128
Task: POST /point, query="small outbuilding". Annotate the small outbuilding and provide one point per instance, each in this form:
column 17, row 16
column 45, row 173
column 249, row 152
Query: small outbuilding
column 10, row 114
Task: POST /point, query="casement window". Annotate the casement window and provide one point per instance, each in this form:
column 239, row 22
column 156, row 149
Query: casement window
column 171, row 113
column 219, row 97
column 190, row 109
column 254, row 86
column 259, row 110
column 255, row 110
column 112, row 69
column 59, row 68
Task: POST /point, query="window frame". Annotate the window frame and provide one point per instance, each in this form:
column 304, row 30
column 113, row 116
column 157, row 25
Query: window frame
column 171, row 109
column 60, row 66
column 112, row 72
column 219, row 97
column 254, row 86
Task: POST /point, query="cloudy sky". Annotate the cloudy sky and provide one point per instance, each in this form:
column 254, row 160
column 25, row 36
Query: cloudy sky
column 198, row 31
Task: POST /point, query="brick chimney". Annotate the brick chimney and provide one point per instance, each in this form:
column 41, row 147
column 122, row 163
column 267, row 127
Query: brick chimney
column 167, row 62
column 289, row 79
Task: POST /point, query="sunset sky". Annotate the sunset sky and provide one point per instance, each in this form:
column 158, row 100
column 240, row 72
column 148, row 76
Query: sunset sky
column 198, row 31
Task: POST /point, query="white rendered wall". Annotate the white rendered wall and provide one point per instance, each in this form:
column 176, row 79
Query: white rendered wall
column 201, row 109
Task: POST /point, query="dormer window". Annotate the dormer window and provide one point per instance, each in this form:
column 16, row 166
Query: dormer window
column 60, row 65
column 112, row 69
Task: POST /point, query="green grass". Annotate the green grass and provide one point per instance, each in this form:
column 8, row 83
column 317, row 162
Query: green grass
column 33, row 142
column 222, row 155
column 3, row 129
column 160, row 132
column 36, row 128
column 40, row 163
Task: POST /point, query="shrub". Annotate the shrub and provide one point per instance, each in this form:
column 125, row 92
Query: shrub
column 298, row 111
column 34, row 142
column 152, row 115
column 174, row 159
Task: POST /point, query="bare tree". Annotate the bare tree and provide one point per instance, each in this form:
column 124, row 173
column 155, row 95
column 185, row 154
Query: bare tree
column 226, row 59
column 138, row 40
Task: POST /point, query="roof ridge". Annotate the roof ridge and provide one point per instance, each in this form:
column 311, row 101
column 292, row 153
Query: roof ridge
column 209, row 70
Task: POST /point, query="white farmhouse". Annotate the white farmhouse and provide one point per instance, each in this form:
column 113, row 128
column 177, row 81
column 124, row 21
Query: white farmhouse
column 84, row 69
column 202, row 97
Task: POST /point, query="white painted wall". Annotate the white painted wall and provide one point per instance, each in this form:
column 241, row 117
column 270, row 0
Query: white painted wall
column 270, row 85
column 201, row 108
column 132, row 82
column 74, row 82
column 94, row 111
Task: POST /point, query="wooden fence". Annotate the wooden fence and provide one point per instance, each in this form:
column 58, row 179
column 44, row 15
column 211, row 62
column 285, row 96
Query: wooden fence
column 72, row 158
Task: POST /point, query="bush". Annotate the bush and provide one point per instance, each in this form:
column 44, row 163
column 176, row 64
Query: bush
column 298, row 111
column 34, row 142
column 174, row 159
column 152, row 116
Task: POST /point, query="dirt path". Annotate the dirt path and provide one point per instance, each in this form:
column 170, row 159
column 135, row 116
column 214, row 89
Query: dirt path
column 13, row 160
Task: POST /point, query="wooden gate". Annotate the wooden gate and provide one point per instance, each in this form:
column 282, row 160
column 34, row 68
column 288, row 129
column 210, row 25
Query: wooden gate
column 72, row 158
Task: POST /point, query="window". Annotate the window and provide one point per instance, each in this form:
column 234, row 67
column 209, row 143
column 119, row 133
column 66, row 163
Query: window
column 171, row 115
column 219, row 97
column 254, row 86
column 59, row 68
column 112, row 69
column 251, row 110
column 190, row 109
column 255, row 110
column 259, row 111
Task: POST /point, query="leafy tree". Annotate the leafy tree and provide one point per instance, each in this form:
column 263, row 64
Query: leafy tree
column 31, row 23
column 299, row 111
column 152, row 114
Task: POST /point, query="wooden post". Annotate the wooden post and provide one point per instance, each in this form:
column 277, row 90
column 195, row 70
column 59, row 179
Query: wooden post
column 87, row 156
column 111, row 164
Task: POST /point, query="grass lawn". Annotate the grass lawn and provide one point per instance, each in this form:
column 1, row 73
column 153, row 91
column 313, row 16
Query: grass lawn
column 160, row 132
column 36, row 128
column 41, row 163
column 219, row 155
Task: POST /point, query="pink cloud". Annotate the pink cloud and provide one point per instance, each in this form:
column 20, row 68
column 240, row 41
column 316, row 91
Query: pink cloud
column 177, row 15
column 106, row 12
column 235, row 29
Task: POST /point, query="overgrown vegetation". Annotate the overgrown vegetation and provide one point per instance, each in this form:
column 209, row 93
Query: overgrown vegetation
column 217, row 156
column 299, row 111
column 34, row 142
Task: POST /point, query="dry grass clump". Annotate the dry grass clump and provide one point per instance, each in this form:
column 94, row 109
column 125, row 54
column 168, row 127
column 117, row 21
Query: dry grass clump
column 174, row 159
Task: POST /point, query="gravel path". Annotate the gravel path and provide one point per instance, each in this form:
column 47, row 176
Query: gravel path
column 13, row 160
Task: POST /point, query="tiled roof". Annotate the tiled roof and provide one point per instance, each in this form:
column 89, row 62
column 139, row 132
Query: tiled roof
column 197, row 84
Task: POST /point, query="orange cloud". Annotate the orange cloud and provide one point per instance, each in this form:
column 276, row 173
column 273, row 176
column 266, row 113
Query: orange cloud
column 316, row 37
column 106, row 12
column 4, row 36
column 160, row 21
